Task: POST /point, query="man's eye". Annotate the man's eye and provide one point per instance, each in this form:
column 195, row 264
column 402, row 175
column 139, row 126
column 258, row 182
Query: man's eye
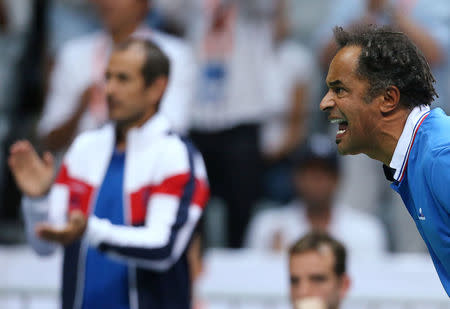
column 122, row 77
column 318, row 279
column 338, row 90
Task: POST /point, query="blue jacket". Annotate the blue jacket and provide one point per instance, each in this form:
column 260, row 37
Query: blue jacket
column 425, row 187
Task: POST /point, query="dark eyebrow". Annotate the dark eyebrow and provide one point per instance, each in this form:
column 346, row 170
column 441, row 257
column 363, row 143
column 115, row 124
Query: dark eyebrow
column 335, row 83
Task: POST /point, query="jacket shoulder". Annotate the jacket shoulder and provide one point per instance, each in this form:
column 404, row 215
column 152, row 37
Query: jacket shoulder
column 92, row 139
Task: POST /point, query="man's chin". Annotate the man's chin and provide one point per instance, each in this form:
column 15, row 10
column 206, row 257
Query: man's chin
column 119, row 121
column 342, row 149
column 345, row 151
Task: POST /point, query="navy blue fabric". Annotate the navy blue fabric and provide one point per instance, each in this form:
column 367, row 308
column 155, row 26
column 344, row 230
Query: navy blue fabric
column 165, row 290
column 70, row 274
column 106, row 280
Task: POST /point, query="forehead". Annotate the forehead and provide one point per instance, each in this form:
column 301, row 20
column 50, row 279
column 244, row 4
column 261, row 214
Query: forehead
column 129, row 60
column 344, row 64
column 109, row 4
column 312, row 262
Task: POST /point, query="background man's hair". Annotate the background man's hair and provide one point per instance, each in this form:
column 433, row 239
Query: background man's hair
column 156, row 63
column 390, row 58
column 319, row 241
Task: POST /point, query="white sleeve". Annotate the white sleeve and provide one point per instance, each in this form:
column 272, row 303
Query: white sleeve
column 378, row 240
column 259, row 233
column 369, row 228
column 50, row 209
column 179, row 92
column 174, row 207
column 65, row 90
column 299, row 63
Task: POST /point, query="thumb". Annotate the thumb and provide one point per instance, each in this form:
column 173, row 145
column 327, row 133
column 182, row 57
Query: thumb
column 77, row 215
column 77, row 219
column 48, row 158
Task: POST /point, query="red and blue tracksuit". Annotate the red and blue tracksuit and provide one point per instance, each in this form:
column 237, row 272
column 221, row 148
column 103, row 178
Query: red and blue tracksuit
column 143, row 205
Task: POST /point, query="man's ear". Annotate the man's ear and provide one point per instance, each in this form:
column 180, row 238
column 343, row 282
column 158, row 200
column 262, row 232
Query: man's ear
column 156, row 90
column 391, row 99
column 344, row 287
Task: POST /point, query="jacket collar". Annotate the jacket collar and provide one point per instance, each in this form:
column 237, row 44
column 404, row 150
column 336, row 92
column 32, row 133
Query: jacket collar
column 157, row 125
column 399, row 160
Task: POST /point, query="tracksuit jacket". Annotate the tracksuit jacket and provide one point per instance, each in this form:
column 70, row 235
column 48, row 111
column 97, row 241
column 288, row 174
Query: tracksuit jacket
column 142, row 205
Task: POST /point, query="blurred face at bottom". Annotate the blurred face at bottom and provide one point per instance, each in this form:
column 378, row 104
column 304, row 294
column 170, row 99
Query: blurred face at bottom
column 312, row 275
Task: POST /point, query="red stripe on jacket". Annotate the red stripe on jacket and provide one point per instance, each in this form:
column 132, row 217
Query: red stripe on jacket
column 80, row 192
column 174, row 186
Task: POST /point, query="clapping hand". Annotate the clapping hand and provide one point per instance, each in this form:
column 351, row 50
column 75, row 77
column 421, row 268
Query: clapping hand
column 33, row 175
column 72, row 231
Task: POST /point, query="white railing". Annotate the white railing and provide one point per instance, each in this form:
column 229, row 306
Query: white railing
column 48, row 299
column 243, row 280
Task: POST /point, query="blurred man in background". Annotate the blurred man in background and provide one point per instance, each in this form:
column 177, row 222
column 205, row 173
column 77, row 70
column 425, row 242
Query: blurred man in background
column 316, row 179
column 289, row 72
column 76, row 97
column 131, row 190
column 232, row 40
column 317, row 272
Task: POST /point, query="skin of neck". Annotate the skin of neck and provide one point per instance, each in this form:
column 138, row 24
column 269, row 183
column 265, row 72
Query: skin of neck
column 120, row 33
column 122, row 128
column 319, row 216
column 386, row 134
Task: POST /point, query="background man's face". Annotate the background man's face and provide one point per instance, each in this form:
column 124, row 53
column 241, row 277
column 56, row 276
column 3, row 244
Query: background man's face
column 316, row 184
column 345, row 103
column 312, row 275
column 118, row 13
column 127, row 94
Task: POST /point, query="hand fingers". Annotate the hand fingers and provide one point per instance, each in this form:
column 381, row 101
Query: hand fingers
column 63, row 236
column 20, row 146
column 72, row 231
column 49, row 233
column 16, row 146
column 15, row 152
column 77, row 216
column 11, row 162
column 20, row 150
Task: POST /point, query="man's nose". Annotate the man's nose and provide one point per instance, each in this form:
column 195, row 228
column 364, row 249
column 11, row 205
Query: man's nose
column 303, row 290
column 327, row 102
column 109, row 86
